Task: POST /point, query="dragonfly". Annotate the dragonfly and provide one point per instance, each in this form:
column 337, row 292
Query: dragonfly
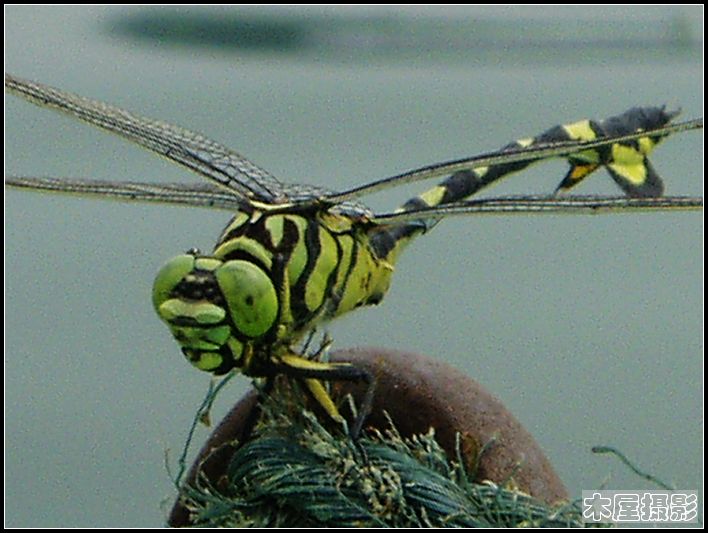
column 295, row 256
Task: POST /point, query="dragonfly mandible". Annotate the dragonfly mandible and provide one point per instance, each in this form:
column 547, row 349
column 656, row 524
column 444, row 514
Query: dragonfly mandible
column 295, row 256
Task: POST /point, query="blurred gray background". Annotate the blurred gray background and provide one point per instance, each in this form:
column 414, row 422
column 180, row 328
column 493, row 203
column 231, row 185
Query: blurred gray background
column 588, row 328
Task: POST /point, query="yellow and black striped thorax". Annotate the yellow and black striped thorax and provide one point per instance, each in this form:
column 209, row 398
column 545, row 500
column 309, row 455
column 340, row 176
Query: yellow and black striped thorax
column 324, row 260
column 270, row 279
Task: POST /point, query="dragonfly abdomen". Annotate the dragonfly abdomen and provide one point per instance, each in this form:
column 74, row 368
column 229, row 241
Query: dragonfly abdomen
column 626, row 161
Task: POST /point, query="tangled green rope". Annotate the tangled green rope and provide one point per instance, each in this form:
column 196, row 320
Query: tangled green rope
column 294, row 472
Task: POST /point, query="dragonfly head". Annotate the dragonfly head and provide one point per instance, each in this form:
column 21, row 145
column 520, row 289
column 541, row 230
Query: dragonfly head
column 214, row 308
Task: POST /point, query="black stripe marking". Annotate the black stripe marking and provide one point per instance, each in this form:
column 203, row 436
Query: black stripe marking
column 337, row 297
column 281, row 259
column 332, row 279
column 300, row 312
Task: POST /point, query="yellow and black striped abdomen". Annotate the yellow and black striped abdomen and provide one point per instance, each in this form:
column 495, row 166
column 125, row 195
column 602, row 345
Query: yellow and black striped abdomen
column 626, row 161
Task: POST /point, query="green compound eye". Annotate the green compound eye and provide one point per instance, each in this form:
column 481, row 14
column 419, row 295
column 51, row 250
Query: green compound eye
column 169, row 276
column 250, row 296
column 204, row 360
column 186, row 295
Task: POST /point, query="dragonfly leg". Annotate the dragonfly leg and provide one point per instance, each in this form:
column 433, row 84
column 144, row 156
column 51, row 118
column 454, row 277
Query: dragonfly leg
column 313, row 372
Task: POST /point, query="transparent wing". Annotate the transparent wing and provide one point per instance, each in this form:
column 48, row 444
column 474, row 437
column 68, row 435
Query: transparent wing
column 510, row 205
column 224, row 167
column 197, row 195
column 186, row 194
column 503, row 157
